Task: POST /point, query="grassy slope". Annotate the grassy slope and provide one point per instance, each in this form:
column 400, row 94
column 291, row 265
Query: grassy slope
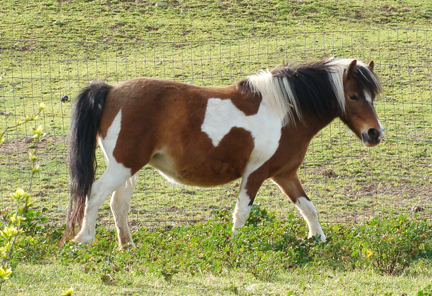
column 180, row 20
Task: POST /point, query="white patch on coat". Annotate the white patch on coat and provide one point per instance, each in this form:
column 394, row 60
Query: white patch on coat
column 368, row 97
column 307, row 209
column 381, row 128
column 108, row 143
column 222, row 115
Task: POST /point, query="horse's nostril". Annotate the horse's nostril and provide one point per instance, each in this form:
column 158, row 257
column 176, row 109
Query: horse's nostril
column 373, row 133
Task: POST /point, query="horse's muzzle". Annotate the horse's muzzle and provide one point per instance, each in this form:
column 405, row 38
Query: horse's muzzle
column 372, row 138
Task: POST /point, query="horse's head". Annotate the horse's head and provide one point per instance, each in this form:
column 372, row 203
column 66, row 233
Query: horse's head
column 360, row 88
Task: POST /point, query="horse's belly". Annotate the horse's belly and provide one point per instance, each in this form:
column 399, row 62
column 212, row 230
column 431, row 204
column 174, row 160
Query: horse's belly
column 203, row 174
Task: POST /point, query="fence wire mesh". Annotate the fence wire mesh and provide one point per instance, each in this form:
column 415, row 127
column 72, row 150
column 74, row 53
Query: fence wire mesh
column 347, row 182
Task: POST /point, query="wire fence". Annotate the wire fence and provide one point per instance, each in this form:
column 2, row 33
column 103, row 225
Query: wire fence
column 347, row 182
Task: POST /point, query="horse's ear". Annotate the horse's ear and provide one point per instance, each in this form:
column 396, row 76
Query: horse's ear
column 351, row 69
column 371, row 66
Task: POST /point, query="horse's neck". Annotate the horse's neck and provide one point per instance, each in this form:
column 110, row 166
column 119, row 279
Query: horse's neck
column 312, row 123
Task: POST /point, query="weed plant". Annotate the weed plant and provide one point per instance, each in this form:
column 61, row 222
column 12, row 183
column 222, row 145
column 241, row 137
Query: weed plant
column 12, row 223
column 264, row 247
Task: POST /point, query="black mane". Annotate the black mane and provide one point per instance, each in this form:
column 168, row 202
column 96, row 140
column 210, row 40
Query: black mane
column 368, row 80
column 311, row 86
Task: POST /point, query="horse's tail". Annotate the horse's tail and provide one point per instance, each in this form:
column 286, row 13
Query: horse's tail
column 84, row 127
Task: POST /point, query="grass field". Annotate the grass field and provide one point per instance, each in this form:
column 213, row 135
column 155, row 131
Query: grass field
column 297, row 282
column 51, row 49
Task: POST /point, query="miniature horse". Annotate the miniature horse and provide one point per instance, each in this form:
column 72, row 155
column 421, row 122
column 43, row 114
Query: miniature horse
column 257, row 129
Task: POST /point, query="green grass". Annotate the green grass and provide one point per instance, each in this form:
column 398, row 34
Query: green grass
column 299, row 282
column 269, row 256
column 191, row 20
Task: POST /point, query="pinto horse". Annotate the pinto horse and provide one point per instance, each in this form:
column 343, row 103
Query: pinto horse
column 256, row 129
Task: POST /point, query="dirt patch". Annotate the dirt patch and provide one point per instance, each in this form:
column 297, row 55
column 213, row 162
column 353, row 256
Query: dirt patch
column 13, row 149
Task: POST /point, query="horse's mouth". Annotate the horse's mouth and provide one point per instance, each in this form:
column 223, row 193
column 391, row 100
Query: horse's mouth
column 368, row 141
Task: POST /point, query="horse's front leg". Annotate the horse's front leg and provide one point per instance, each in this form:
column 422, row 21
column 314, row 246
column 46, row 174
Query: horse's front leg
column 291, row 186
column 248, row 190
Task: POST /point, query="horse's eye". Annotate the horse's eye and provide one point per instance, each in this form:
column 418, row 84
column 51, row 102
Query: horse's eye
column 352, row 97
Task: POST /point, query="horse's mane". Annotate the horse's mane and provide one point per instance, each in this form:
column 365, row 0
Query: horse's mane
column 316, row 87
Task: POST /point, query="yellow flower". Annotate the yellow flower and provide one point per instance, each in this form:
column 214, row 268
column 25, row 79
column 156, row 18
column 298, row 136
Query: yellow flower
column 5, row 273
column 68, row 292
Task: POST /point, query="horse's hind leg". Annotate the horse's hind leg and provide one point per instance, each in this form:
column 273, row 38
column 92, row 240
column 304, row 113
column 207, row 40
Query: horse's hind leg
column 114, row 176
column 291, row 186
column 120, row 205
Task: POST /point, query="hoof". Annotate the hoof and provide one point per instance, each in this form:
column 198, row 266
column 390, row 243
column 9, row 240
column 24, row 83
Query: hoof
column 83, row 239
column 319, row 237
column 126, row 246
